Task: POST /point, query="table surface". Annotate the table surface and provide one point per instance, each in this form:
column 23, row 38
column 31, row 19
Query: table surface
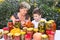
column 57, row 35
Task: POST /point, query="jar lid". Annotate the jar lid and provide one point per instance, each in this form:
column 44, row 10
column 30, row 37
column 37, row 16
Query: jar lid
column 29, row 29
column 42, row 21
column 44, row 36
column 35, row 29
column 10, row 34
column 10, row 21
column 51, row 20
column 48, row 22
column 22, row 32
column 5, row 29
column 24, row 27
column 17, row 34
column 5, row 32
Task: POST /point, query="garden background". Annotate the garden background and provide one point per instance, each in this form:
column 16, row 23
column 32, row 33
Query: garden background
column 49, row 8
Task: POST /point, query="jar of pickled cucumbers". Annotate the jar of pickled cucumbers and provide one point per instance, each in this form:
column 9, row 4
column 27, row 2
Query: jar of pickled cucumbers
column 41, row 26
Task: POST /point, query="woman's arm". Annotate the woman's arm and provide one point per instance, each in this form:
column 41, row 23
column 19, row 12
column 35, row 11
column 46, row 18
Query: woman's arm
column 13, row 19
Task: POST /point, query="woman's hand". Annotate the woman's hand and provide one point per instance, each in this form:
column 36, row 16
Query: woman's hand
column 23, row 23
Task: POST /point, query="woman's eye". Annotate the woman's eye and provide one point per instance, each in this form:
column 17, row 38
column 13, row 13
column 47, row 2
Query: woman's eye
column 35, row 16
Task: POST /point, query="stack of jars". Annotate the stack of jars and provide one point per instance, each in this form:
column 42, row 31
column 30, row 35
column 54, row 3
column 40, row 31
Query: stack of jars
column 50, row 29
column 45, row 31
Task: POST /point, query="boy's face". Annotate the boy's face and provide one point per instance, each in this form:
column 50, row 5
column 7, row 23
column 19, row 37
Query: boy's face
column 36, row 17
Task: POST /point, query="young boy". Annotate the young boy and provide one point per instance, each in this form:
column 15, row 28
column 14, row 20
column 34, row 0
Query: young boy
column 37, row 16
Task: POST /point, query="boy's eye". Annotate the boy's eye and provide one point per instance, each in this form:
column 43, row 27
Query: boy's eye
column 35, row 16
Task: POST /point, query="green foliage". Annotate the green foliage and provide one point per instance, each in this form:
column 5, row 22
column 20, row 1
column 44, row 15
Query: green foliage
column 48, row 8
column 7, row 8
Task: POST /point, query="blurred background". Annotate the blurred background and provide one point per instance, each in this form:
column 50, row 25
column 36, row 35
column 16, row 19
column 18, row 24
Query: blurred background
column 49, row 8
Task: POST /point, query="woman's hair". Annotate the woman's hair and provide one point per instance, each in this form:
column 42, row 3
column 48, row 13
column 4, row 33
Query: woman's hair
column 24, row 5
column 37, row 11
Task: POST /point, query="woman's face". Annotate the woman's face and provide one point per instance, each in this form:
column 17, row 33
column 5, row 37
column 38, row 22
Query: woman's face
column 23, row 11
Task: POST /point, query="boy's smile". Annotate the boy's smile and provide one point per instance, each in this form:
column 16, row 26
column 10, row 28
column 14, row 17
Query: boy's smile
column 36, row 17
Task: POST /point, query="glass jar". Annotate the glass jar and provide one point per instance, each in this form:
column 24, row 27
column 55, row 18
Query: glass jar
column 25, row 29
column 17, row 36
column 1, row 35
column 22, row 35
column 30, row 32
column 53, row 25
column 10, row 25
column 10, row 36
column 41, row 26
column 44, row 37
column 48, row 25
column 35, row 30
column 5, row 36
column 17, row 24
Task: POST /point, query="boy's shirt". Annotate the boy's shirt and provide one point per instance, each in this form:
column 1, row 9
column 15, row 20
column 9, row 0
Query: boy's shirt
column 36, row 23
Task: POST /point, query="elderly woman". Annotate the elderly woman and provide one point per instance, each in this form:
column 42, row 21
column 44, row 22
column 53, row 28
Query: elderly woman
column 21, row 15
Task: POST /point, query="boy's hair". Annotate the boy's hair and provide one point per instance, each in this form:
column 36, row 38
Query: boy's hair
column 37, row 11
